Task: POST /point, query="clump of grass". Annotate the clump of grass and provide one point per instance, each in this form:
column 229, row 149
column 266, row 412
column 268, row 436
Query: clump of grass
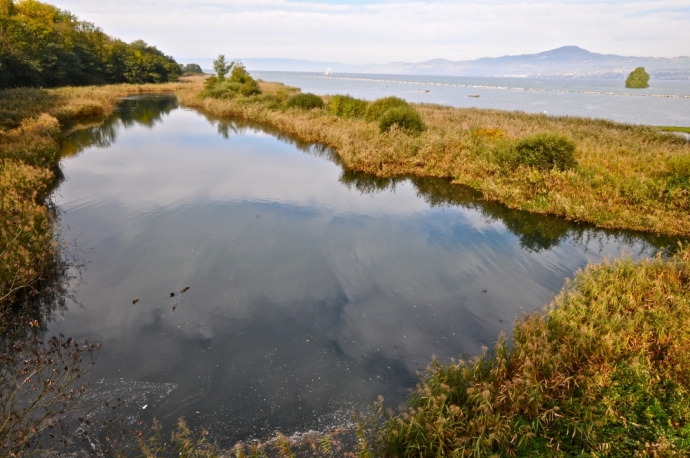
column 377, row 108
column 675, row 129
column 345, row 106
column 603, row 371
column 306, row 101
column 544, row 151
column 405, row 118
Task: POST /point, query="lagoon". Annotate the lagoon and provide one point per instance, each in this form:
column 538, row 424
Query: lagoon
column 313, row 289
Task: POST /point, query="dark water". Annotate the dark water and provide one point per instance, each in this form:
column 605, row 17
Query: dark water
column 312, row 290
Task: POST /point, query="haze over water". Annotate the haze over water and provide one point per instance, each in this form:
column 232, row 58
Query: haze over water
column 312, row 289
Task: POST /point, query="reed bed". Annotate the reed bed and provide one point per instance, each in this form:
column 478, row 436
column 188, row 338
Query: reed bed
column 626, row 177
column 604, row 370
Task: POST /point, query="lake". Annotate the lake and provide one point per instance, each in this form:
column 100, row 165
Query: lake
column 312, row 289
column 664, row 103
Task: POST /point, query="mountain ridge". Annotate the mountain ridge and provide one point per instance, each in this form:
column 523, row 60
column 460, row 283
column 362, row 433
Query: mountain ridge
column 564, row 62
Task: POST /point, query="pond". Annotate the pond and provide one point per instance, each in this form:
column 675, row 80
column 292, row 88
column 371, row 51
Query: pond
column 312, row 289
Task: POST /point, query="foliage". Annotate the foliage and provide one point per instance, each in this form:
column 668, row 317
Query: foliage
column 306, row 101
column 603, row 371
column 42, row 45
column 191, row 68
column 221, row 67
column 345, row 106
column 377, row 108
column 405, row 118
column 39, row 383
column 637, row 79
column 542, row 151
column 239, row 83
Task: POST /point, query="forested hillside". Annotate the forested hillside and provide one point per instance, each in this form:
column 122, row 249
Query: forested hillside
column 42, row 45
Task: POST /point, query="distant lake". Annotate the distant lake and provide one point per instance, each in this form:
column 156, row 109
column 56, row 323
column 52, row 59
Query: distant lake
column 313, row 289
column 665, row 103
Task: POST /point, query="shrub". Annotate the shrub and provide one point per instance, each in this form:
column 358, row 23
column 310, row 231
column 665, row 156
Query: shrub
column 404, row 117
column 306, row 101
column 638, row 79
column 239, row 83
column 345, row 106
column 377, row 108
column 541, row 151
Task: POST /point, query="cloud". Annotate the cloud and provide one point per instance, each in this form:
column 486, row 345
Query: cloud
column 363, row 32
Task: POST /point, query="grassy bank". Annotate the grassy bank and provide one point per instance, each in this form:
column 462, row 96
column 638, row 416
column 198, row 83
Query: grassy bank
column 631, row 177
column 31, row 123
column 603, row 371
column 685, row 130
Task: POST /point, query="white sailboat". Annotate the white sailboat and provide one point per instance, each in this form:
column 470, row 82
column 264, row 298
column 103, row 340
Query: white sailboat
column 328, row 72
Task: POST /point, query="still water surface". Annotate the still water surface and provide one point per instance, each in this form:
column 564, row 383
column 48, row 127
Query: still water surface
column 312, row 289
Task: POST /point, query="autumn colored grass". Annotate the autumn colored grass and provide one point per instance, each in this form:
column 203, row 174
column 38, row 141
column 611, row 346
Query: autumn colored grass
column 624, row 176
column 604, row 370
column 31, row 123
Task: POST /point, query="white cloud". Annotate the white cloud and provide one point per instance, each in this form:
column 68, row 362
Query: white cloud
column 395, row 30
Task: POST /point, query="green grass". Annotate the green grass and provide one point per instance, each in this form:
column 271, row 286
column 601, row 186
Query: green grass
column 675, row 129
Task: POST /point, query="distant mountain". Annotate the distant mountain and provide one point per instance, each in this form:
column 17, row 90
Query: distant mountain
column 568, row 62
column 564, row 62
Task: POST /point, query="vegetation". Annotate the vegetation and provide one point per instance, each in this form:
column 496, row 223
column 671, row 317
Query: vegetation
column 608, row 174
column 42, row 45
column 637, row 79
column 603, row 371
column 376, row 109
column 675, row 129
column 543, row 152
column 306, row 101
column 191, row 69
column 345, row 106
column 240, row 82
column 404, row 118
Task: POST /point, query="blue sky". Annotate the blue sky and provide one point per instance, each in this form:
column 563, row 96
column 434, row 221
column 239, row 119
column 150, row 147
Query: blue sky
column 382, row 31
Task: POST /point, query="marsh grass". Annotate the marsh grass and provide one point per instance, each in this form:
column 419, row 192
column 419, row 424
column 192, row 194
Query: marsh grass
column 602, row 371
column 627, row 177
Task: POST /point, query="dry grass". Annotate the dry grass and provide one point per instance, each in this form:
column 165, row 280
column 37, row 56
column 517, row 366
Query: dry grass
column 630, row 177
column 31, row 122
column 603, row 371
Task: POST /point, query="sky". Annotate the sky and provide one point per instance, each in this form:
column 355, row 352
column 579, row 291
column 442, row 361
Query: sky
column 383, row 31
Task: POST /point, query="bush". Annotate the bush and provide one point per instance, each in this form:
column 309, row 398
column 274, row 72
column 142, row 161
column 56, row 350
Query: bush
column 638, row 79
column 306, row 101
column 239, row 83
column 404, row 117
column 345, row 106
column 541, row 151
column 377, row 108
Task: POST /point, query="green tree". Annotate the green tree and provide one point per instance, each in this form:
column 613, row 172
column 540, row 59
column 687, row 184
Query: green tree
column 638, row 79
column 221, row 67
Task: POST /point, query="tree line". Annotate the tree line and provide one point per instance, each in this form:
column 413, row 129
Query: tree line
column 44, row 46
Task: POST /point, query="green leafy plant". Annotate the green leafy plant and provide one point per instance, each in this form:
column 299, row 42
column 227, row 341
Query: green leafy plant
column 377, row 108
column 345, row 106
column 404, row 117
column 638, row 79
column 306, row 101
column 221, row 67
column 543, row 151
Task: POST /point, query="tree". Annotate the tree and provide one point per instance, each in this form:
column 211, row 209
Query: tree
column 221, row 67
column 191, row 68
column 638, row 79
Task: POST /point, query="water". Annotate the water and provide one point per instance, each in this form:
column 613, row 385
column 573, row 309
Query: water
column 312, row 289
column 665, row 103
